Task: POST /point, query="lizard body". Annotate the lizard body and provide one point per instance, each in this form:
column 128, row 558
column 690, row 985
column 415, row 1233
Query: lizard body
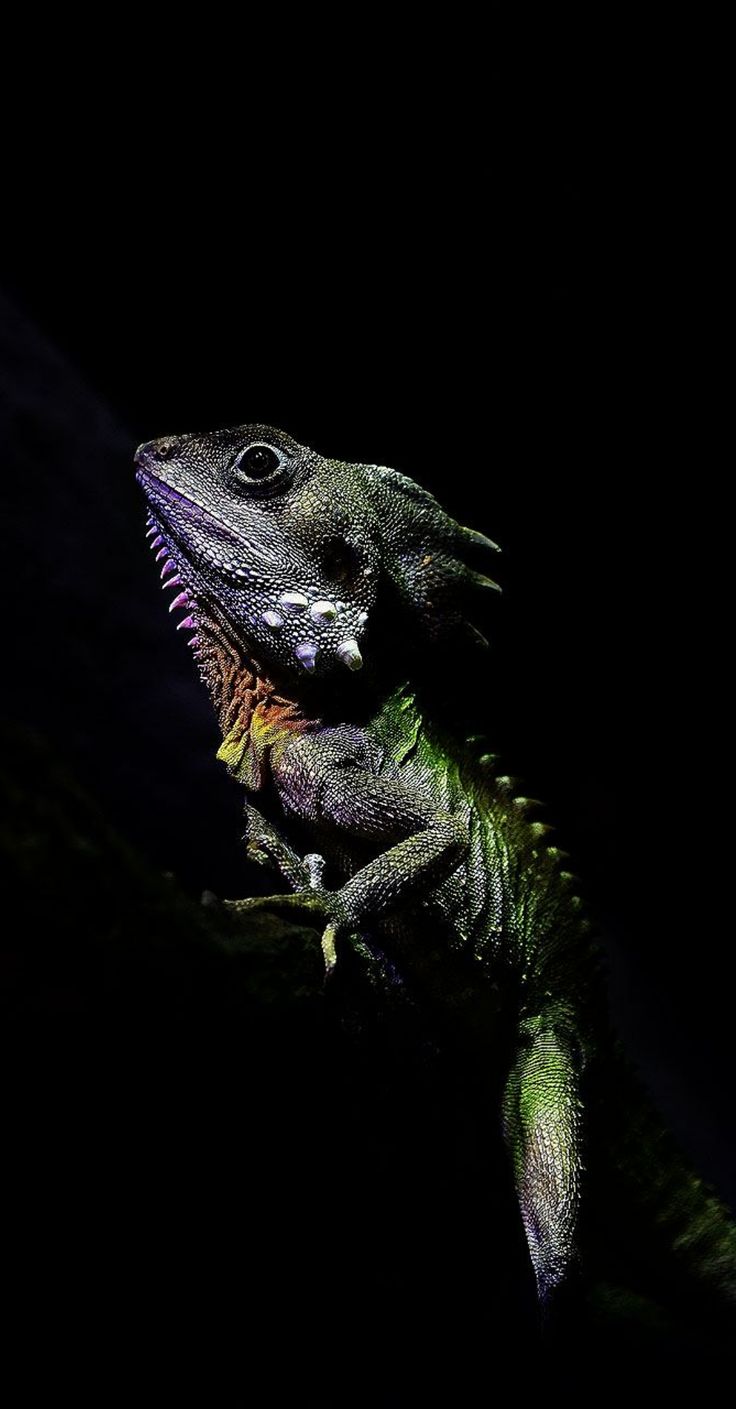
column 316, row 591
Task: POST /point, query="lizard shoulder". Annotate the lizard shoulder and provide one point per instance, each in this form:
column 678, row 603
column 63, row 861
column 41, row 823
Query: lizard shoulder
column 306, row 761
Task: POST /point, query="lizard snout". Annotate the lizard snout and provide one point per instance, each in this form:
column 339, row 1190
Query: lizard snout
column 153, row 452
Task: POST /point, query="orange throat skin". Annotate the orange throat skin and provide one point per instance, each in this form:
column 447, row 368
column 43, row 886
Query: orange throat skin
column 255, row 719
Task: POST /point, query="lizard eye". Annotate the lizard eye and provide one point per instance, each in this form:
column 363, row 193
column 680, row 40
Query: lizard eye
column 259, row 470
column 256, row 462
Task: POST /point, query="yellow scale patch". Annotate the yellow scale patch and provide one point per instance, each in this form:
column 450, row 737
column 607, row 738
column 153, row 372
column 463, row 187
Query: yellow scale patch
column 257, row 731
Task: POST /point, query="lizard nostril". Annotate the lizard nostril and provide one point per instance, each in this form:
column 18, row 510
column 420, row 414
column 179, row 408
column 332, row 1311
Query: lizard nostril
column 340, row 560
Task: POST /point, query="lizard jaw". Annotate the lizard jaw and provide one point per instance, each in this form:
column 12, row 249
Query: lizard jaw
column 321, row 611
column 171, row 576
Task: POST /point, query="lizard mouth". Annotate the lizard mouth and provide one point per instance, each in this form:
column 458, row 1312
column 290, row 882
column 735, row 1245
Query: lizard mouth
column 161, row 544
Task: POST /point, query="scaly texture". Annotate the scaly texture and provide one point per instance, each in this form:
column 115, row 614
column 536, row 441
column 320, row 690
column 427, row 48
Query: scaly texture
column 315, row 592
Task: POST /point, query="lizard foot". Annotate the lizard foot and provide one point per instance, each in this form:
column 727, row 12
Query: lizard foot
column 313, row 902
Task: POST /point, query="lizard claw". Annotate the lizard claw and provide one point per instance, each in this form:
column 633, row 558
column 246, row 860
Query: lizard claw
column 314, row 865
column 257, row 852
column 329, row 952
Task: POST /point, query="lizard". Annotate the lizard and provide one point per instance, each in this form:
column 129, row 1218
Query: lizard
column 319, row 598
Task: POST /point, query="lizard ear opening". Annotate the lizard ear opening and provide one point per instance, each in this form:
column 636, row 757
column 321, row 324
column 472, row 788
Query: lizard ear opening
column 428, row 559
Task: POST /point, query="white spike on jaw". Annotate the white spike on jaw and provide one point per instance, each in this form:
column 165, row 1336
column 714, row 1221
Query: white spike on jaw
column 181, row 601
column 188, row 624
column 293, row 601
column 273, row 620
column 323, row 611
column 174, row 581
column 307, row 653
column 349, row 653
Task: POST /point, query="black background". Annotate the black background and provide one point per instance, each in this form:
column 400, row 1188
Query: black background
column 494, row 292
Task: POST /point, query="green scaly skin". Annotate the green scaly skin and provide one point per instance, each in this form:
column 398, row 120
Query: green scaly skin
column 322, row 597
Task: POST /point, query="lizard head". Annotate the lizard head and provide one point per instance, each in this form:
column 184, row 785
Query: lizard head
column 289, row 551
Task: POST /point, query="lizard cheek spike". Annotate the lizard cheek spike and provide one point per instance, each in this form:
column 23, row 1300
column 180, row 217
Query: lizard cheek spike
column 307, row 653
column 349, row 653
column 293, row 601
column 323, row 611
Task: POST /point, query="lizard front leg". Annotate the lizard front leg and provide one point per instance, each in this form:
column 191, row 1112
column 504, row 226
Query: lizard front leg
column 328, row 785
column 267, row 846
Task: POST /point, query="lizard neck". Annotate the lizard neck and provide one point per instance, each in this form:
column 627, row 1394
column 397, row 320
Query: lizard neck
column 256, row 717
